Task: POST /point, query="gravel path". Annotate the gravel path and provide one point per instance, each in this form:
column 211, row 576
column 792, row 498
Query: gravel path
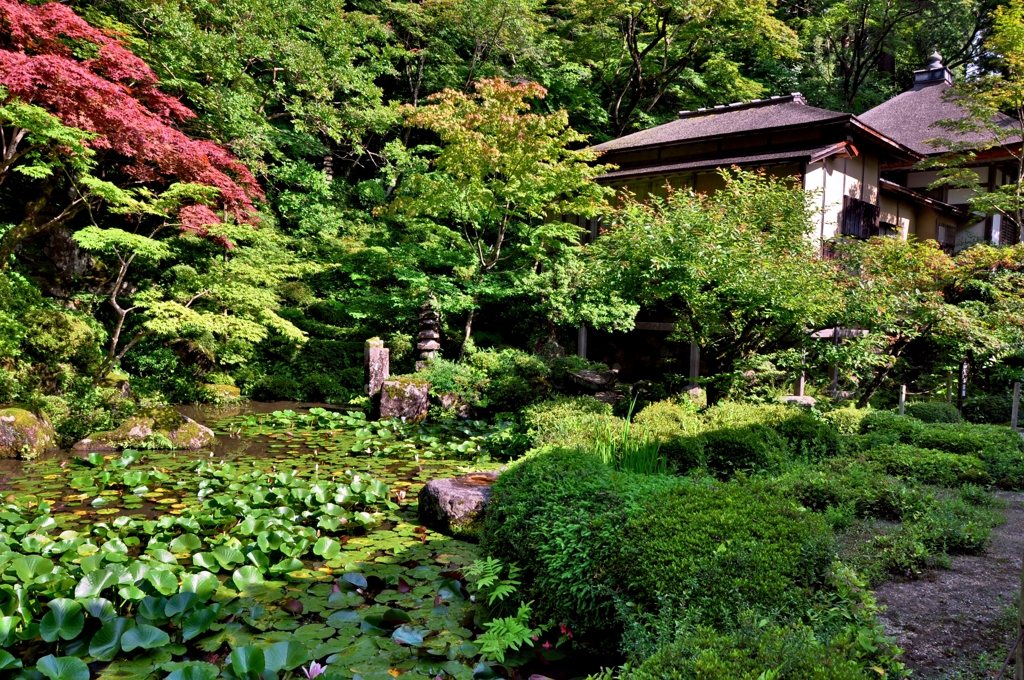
column 951, row 616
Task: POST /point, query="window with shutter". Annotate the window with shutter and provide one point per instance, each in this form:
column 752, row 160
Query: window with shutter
column 859, row 218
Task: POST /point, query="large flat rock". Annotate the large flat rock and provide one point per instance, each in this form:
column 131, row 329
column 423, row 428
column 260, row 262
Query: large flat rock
column 456, row 505
column 154, row 428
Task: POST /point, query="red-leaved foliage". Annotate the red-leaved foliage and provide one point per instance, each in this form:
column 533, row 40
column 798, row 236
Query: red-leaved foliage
column 114, row 94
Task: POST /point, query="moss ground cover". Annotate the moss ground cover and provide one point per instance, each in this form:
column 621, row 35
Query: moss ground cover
column 304, row 548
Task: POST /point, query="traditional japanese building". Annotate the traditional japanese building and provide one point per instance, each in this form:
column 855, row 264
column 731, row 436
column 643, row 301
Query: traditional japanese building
column 861, row 168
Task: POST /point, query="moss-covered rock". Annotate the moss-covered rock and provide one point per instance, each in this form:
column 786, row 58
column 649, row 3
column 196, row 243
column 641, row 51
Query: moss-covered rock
column 153, row 428
column 223, row 394
column 24, row 434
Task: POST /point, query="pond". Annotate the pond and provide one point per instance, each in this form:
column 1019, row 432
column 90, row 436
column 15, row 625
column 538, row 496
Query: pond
column 293, row 539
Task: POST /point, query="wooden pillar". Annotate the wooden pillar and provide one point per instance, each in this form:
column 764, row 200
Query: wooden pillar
column 833, row 371
column 1016, row 405
column 581, row 341
column 903, row 399
column 694, row 364
column 961, row 392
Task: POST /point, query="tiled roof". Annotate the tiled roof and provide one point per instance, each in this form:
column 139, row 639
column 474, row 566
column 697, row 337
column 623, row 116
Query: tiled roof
column 764, row 159
column 910, row 118
column 730, row 119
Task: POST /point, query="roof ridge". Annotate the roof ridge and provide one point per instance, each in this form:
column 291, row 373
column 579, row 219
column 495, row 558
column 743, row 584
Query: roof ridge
column 794, row 97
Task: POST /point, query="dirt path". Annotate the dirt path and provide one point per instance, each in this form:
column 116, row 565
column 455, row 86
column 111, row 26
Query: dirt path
column 950, row 617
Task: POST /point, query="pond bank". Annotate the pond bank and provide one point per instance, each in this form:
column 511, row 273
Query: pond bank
column 949, row 618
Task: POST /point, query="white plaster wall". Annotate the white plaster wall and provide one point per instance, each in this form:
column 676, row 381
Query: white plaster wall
column 900, row 213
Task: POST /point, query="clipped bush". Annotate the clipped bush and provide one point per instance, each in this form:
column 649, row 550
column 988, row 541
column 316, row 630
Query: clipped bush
column 860, row 486
column 588, row 538
column 933, row 412
column 736, row 414
column 888, row 426
column 718, row 548
column 676, row 425
column 569, row 421
column 668, row 419
column 810, row 438
column 1000, row 448
column 928, row 466
column 559, row 513
column 793, row 652
column 989, row 409
column 846, row 420
column 749, row 448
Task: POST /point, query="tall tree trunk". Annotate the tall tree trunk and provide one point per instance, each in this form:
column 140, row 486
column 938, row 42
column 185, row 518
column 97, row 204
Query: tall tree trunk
column 465, row 336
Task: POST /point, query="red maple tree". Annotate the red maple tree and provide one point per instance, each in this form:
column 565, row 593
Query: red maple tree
column 112, row 94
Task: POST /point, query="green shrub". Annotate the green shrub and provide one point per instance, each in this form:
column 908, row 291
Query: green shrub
column 277, row 387
column 891, row 427
column 559, row 514
column 990, row 409
column 948, row 526
column 809, row 437
column 861, row 487
column 793, row 652
column 736, row 414
column 676, row 424
column 748, row 448
column 668, row 419
column 514, row 378
column 723, row 548
column 447, row 377
column 1000, row 448
column 846, row 420
column 928, row 466
column 569, row 421
column 934, row 412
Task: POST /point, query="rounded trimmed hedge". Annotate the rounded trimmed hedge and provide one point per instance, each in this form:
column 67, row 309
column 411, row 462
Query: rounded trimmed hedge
column 588, row 538
column 934, row 412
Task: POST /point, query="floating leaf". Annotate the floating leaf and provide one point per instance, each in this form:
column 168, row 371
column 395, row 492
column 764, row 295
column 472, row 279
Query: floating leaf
column 285, row 656
column 63, row 668
column 196, row 670
column 327, row 548
column 186, row 543
column 247, row 577
column 7, row 661
column 106, row 643
column 404, row 635
column 164, row 581
column 355, row 578
column 144, row 637
column 64, row 620
column 248, row 662
column 93, row 584
column 196, row 623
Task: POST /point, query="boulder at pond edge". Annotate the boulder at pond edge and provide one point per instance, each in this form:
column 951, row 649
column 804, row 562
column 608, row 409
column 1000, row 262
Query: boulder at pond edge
column 153, row 428
column 24, row 434
column 405, row 398
column 456, row 505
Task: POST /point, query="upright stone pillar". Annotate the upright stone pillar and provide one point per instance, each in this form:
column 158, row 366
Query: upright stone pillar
column 376, row 369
